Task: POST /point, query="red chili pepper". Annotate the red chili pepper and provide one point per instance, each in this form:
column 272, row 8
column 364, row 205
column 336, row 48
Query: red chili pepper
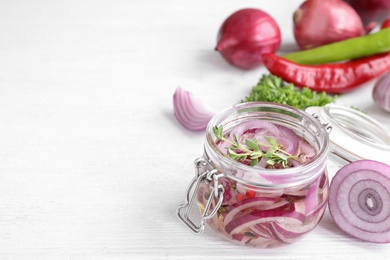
column 385, row 24
column 332, row 78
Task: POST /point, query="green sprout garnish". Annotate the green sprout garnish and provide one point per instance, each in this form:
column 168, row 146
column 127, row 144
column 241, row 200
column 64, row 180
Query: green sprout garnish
column 251, row 150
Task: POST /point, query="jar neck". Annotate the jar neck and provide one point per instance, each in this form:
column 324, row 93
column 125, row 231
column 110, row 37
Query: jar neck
column 307, row 126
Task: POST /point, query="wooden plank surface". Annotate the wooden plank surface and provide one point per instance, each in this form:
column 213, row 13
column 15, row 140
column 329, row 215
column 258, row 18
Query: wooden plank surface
column 92, row 161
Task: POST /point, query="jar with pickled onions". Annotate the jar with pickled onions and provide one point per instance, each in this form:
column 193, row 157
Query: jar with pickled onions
column 262, row 180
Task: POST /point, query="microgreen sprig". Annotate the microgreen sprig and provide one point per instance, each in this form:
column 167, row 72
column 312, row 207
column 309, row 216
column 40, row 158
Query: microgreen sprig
column 252, row 150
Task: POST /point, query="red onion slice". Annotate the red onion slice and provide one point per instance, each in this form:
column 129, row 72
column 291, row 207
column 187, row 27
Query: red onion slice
column 284, row 236
column 257, row 203
column 311, row 201
column 263, row 216
column 262, row 127
column 359, row 198
column 262, row 230
column 291, row 136
column 288, row 145
column 223, row 146
column 306, row 151
column 190, row 110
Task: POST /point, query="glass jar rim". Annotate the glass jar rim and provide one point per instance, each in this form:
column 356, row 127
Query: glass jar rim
column 318, row 162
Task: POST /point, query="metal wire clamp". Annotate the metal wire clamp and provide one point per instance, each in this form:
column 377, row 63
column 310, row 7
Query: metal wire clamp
column 204, row 172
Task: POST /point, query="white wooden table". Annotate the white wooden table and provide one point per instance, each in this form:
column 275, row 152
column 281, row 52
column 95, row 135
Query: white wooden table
column 93, row 163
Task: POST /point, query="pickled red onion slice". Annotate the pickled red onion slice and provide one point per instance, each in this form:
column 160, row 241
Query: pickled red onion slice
column 306, row 149
column 262, row 216
column 261, row 203
column 261, row 127
column 311, row 201
column 288, row 145
column 359, row 198
column 190, row 110
column 262, row 230
column 288, row 139
column 285, row 236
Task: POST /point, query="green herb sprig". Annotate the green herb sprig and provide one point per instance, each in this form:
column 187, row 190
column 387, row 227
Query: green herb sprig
column 251, row 150
column 271, row 88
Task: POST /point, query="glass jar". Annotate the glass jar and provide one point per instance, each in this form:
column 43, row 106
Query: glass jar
column 264, row 207
column 355, row 135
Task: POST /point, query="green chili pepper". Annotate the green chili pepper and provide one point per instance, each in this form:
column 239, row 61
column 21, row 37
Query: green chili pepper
column 349, row 49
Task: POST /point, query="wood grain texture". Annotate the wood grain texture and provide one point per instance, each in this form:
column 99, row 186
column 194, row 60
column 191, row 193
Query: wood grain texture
column 92, row 161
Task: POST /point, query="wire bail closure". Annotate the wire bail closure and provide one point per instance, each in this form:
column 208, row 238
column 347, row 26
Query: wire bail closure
column 204, row 172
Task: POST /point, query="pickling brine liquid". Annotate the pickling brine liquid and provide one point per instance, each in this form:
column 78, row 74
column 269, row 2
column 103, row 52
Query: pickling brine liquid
column 266, row 218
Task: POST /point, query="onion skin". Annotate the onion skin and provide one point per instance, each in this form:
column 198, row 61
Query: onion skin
column 320, row 22
column 245, row 35
column 381, row 92
column 371, row 10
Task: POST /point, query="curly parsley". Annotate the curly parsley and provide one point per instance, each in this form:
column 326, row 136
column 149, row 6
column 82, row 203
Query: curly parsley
column 273, row 89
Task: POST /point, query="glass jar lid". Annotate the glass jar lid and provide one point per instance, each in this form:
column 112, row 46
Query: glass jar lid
column 354, row 135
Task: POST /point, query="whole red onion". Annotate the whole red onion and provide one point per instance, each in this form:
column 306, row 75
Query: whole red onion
column 371, row 10
column 245, row 35
column 320, row 22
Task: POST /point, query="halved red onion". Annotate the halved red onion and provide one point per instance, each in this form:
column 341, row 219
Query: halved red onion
column 359, row 198
column 190, row 110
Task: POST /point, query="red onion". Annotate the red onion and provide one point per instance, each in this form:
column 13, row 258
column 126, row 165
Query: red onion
column 381, row 92
column 371, row 10
column 190, row 110
column 246, row 34
column 320, row 22
column 359, row 198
